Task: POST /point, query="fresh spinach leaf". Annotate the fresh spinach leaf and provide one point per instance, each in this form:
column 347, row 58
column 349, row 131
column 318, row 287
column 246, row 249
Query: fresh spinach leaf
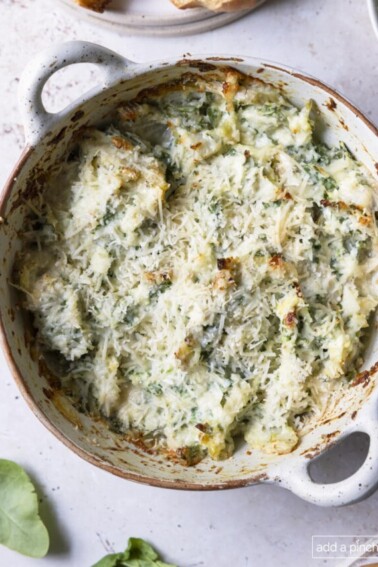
column 21, row 528
column 139, row 553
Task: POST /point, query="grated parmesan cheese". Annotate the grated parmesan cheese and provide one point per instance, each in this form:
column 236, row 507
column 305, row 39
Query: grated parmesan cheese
column 206, row 268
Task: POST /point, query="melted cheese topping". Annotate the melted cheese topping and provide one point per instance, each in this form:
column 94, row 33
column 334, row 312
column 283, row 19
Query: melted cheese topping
column 205, row 268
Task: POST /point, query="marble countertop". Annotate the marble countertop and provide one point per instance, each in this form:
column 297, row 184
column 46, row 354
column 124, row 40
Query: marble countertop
column 88, row 511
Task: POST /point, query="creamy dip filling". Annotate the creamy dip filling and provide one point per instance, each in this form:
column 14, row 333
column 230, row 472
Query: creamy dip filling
column 204, row 267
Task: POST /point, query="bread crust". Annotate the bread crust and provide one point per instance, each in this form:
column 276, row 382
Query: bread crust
column 95, row 5
column 217, row 5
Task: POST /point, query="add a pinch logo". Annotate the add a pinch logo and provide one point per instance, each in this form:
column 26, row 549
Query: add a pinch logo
column 345, row 546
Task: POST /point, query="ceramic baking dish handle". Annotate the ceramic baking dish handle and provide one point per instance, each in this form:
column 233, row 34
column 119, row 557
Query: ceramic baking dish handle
column 37, row 121
column 354, row 488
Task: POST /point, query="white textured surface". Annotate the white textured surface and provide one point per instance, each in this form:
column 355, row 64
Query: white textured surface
column 89, row 511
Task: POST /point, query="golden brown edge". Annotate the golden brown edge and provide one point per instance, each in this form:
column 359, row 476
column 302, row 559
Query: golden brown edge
column 38, row 412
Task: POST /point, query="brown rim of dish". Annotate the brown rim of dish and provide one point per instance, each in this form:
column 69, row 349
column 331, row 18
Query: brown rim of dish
column 39, row 413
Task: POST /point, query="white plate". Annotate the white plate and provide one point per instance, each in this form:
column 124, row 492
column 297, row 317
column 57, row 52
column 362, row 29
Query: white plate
column 156, row 17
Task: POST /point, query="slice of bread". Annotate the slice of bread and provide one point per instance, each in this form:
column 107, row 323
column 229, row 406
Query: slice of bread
column 217, row 5
column 95, row 5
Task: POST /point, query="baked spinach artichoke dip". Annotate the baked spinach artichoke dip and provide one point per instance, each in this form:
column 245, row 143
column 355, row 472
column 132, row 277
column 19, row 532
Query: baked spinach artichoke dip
column 203, row 268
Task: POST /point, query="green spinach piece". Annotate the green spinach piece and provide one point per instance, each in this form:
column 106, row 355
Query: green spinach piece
column 21, row 528
column 159, row 288
column 139, row 553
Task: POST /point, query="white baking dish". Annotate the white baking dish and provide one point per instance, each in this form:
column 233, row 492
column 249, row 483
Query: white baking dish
column 47, row 137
